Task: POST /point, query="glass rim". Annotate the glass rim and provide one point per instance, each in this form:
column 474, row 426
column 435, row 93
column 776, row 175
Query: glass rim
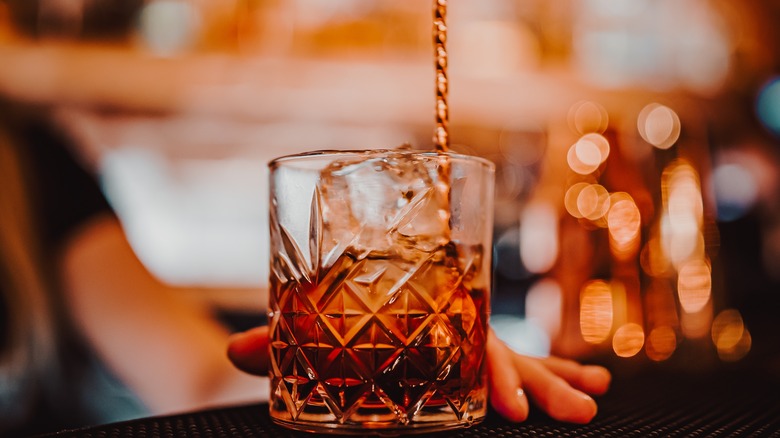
column 315, row 154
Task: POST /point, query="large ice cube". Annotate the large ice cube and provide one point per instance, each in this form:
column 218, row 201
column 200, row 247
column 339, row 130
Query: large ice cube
column 387, row 202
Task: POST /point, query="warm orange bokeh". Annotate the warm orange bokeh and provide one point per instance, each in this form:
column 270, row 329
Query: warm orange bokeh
column 596, row 311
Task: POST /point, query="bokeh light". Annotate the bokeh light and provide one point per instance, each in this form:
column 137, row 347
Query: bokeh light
column 682, row 220
column 593, row 202
column 600, row 142
column 768, row 105
column 583, row 158
column 727, row 329
column 588, row 153
column 661, row 343
column 681, row 241
column 738, row 351
column 659, row 125
column 660, row 305
column 624, row 222
column 596, row 311
column 571, row 197
column 628, row 340
column 697, row 325
column 736, row 190
column 653, row 259
column 730, row 336
column 683, row 192
column 544, row 306
column 588, row 201
column 539, row 237
column 694, row 285
column 586, row 116
column 168, row 27
column 634, row 50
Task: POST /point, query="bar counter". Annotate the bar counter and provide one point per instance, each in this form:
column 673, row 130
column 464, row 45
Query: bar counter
column 647, row 403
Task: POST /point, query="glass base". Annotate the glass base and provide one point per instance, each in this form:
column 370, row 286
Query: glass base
column 376, row 429
column 376, row 417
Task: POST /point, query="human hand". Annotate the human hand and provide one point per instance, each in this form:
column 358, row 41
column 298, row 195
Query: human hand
column 558, row 386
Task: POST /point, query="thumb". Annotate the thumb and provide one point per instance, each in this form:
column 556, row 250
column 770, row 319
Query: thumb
column 248, row 350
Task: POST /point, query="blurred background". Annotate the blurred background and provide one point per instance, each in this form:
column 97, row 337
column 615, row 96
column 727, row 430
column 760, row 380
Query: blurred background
column 637, row 146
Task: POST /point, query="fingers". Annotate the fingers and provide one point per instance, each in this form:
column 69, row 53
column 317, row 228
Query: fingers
column 588, row 378
column 553, row 394
column 555, row 384
column 249, row 350
column 506, row 395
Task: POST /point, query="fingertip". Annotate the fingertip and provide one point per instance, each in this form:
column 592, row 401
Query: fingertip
column 506, row 395
column 512, row 405
column 251, row 336
column 588, row 410
column 237, row 347
column 241, row 342
column 523, row 407
column 572, row 406
column 248, row 350
column 596, row 379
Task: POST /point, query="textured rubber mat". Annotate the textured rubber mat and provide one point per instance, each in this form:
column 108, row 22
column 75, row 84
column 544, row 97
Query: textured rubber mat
column 640, row 406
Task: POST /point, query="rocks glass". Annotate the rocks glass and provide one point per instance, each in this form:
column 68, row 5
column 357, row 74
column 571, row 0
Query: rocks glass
column 379, row 290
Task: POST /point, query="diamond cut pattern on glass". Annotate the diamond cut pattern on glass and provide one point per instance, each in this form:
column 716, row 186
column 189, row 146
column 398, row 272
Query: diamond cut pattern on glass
column 359, row 348
column 375, row 281
column 374, row 348
column 406, row 314
column 344, row 386
column 364, row 337
column 372, row 338
column 344, row 313
column 298, row 383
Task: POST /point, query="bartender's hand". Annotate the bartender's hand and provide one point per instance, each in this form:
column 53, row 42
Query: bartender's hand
column 559, row 387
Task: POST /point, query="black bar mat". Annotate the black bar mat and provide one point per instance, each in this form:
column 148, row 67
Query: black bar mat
column 661, row 405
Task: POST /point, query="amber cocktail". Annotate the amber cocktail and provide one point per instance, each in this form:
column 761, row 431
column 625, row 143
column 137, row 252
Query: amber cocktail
column 380, row 288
